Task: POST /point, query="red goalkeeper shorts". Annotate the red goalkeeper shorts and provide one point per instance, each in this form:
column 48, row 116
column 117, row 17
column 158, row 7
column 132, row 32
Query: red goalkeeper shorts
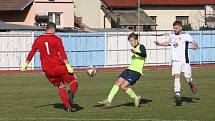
column 59, row 74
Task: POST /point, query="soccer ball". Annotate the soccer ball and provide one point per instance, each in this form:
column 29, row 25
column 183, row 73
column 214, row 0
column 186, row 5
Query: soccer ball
column 91, row 70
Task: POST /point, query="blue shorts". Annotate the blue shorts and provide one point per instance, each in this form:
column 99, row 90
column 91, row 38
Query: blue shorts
column 130, row 76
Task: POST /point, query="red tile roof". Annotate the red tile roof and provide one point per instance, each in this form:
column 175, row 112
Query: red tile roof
column 177, row 2
column 211, row 2
column 133, row 3
column 120, row 3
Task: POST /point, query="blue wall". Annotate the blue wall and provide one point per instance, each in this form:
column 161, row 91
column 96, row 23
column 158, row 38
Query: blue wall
column 83, row 49
column 206, row 52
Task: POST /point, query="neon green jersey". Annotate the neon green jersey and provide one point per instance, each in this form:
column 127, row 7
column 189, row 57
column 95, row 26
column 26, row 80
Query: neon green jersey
column 138, row 59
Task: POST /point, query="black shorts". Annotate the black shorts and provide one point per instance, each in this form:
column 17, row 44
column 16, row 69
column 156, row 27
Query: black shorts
column 130, row 76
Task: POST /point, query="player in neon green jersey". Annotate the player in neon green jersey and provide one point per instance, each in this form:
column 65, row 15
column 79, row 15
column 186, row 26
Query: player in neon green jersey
column 129, row 76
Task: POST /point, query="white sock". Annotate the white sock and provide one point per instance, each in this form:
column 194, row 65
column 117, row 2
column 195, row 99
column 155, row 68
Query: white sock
column 177, row 85
column 191, row 80
column 177, row 94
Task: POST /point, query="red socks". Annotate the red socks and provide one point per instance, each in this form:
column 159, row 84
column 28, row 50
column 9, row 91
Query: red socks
column 64, row 96
column 73, row 87
column 63, row 93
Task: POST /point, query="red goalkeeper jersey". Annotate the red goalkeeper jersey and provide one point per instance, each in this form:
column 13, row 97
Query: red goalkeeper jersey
column 51, row 51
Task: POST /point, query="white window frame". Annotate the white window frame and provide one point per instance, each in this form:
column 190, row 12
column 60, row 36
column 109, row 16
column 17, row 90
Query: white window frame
column 187, row 21
column 53, row 17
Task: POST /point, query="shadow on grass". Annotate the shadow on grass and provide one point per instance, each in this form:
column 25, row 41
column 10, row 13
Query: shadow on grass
column 189, row 99
column 142, row 101
column 61, row 106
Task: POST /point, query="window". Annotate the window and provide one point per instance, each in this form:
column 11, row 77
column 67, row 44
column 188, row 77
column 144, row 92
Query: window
column 183, row 19
column 55, row 18
column 154, row 18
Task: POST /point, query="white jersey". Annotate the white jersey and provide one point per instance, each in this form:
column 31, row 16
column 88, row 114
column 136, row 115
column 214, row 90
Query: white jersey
column 179, row 47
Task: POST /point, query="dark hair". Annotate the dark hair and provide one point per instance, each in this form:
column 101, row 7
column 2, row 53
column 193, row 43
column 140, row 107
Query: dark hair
column 179, row 23
column 133, row 35
column 51, row 25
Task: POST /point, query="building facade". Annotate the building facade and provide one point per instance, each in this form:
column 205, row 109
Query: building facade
column 91, row 13
column 192, row 13
column 38, row 12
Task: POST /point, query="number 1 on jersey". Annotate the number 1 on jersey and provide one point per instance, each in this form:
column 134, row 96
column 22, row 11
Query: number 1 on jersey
column 47, row 47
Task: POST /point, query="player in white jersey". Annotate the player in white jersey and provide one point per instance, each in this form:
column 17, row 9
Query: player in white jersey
column 179, row 42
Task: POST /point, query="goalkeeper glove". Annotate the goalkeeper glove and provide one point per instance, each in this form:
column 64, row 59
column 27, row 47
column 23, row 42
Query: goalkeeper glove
column 24, row 67
column 69, row 68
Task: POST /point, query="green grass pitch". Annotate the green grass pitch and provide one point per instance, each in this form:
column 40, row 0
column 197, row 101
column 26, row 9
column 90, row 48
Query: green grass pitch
column 32, row 97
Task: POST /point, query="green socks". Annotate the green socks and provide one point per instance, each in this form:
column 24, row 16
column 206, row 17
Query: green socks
column 113, row 92
column 115, row 89
column 131, row 93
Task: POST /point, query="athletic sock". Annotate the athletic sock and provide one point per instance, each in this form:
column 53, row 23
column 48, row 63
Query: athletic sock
column 113, row 92
column 74, row 87
column 191, row 82
column 131, row 93
column 64, row 96
column 177, row 85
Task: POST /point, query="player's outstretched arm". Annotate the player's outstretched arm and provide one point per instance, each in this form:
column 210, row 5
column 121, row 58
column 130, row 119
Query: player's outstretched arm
column 165, row 44
column 194, row 45
column 24, row 66
column 62, row 52
column 68, row 66
column 30, row 56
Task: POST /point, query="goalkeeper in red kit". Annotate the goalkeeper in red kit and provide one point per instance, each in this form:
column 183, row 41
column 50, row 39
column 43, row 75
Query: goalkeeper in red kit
column 55, row 64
